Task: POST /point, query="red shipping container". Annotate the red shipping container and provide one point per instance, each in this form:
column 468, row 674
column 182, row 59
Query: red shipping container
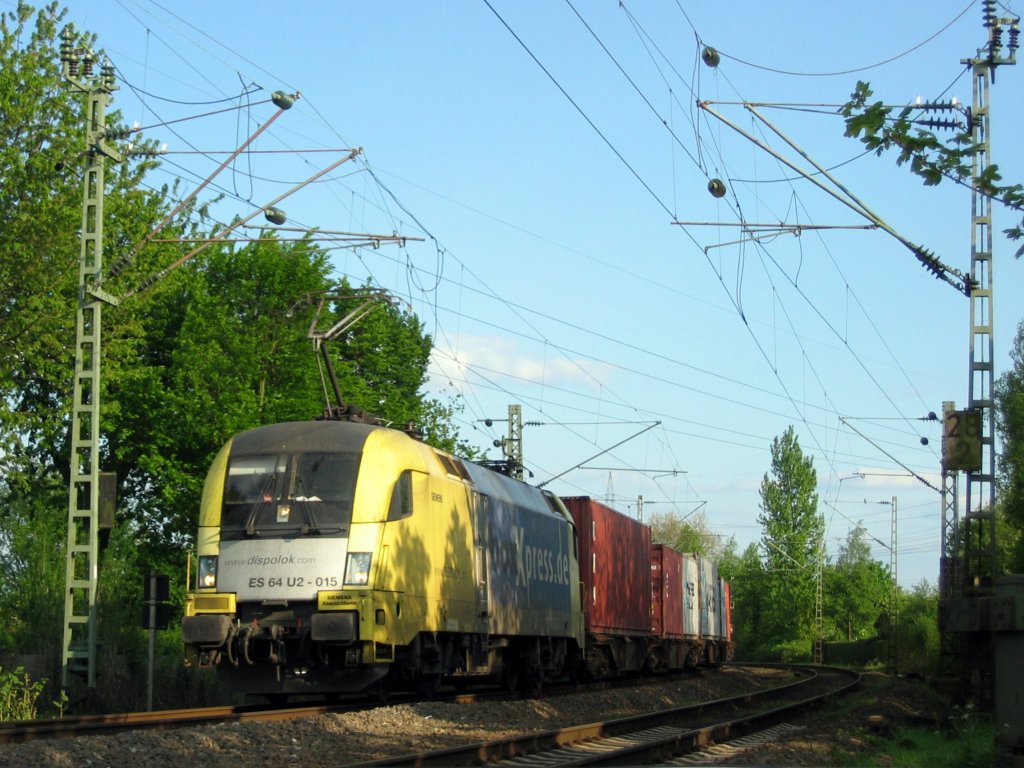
column 666, row 592
column 615, row 568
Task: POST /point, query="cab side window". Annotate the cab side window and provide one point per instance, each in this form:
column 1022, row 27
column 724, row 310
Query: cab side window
column 401, row 498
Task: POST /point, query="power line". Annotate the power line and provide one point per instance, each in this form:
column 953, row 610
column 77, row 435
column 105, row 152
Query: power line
column 852, row 70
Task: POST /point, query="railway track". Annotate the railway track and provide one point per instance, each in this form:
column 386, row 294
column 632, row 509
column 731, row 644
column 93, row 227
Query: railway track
column 710, row 722
column 18, row 731
column 647, row 738
column 90, row 725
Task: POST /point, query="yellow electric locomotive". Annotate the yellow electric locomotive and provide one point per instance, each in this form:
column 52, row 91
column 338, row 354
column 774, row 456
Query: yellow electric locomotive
column 337, row 556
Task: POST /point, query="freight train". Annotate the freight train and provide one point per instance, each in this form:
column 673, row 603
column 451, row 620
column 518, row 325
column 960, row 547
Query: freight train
column 336, row 556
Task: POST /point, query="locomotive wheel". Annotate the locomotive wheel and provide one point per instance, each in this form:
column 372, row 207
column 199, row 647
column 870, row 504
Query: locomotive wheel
column 535, row 681
column 510, row 677
column 428, row 685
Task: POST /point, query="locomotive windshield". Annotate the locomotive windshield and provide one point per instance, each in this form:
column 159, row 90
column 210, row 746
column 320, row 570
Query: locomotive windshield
column 289, row 494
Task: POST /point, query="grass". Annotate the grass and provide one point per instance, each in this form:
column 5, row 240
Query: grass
column 969, row 742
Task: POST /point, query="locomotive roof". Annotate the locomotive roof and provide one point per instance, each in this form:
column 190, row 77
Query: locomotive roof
column 305, row 436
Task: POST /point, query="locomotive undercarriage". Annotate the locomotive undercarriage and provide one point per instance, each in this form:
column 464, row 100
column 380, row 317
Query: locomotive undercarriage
column 463, row 659
column 295, row 650
column 292, row 649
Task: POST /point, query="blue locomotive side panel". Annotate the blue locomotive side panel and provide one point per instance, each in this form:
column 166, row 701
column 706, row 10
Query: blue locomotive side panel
column 529, row 572
column 531, row 561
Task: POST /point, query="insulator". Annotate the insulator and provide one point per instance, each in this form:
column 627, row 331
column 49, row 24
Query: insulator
column 275, row 216
column 107, row 74
column 282, row 100
column 717, row 188
column 995, row 41
column 67, row 50
column 87, row 63
column 710, row 56
column 1014, row 34
column 988, row 12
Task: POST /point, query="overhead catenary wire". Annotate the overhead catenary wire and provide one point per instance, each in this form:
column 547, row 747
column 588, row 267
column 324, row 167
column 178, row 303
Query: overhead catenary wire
column 875, row 220
column 225, row 231
column 851, row 70
column 285, row 103
column 414, row 270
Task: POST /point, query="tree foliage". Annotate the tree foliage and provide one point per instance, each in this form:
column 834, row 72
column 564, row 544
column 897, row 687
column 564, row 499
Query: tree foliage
column 882, row 128
column 690, row 533
column 857, row 590
column 746, row 575
column 918, row 633
column 215, row 354
column 1009, row 397
column 791, row 541
column 42, row 151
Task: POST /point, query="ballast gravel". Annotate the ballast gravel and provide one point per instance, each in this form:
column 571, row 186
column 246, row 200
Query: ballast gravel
column 335, row 740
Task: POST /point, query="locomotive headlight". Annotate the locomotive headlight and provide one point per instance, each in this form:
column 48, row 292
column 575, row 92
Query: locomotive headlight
column 207, row 570
column 357, row 569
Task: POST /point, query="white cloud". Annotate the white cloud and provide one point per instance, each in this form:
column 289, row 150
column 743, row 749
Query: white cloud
column 495, row 356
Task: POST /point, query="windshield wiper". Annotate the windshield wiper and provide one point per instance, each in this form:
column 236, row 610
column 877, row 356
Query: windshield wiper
column 312, row 525
column 266, row 493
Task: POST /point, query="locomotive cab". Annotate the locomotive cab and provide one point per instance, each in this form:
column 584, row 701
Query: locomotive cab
column 279, row 579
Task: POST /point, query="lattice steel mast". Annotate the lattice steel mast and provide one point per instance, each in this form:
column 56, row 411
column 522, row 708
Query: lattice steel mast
column 969, row 546
column 82, row 569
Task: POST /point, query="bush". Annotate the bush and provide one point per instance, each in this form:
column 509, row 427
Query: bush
column 18, row 695
column 793, row 652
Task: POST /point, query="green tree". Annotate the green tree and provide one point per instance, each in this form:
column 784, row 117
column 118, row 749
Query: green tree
column 43, row 155
column 216, row 353
column 882, row 128
column 746, row 575
column 42, row 159
column 857, row 590
column 918, row 632
column 690, row 533
column 38, row 253
column 225, row 349
column 1009, row 397
column 791, row 543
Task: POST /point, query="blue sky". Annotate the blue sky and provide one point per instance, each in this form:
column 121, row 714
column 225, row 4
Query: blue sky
column 544, row 150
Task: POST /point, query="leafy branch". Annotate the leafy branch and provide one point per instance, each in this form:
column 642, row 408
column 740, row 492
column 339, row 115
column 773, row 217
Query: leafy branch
column 875, row 125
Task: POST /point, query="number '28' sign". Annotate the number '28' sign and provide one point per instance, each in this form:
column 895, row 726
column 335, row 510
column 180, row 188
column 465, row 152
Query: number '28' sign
column 961, row 440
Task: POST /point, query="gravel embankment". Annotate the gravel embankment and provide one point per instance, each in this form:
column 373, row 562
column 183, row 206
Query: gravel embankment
column 330, row 741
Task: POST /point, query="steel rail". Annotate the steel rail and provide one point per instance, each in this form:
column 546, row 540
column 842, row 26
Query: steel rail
column 647, row 737
column 14, row 731
column 84, row 725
